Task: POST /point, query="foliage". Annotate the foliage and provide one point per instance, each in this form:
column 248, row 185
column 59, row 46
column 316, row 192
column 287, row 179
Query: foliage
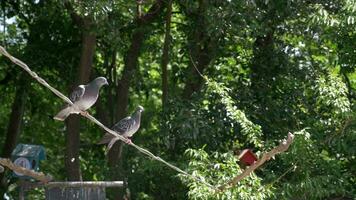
column 255, row 71
column 217, row 169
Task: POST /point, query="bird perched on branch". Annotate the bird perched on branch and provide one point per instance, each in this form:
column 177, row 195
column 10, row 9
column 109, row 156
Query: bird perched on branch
column 125, row 127
column 83, row 97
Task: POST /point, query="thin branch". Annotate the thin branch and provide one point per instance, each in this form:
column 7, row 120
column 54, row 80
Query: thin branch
column 144, row 151
column 93, row 119
column 265, row 157
column 74, row 15
column 152, row 12
column 196, row 68
column 26, row 172
column 283, row 146
column 293, row 167
column 348, row 122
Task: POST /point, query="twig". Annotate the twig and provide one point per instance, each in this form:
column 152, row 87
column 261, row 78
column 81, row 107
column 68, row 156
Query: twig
column 283, row 146
column 344, row 127
column 144, row 151
column 196, row 68
column 293, row 167
column 93, row 119
column 26, row 172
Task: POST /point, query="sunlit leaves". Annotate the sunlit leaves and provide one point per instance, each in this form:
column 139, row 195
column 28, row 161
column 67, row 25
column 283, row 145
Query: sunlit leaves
column 218, row 168
column 248, row 128
column 332, row 103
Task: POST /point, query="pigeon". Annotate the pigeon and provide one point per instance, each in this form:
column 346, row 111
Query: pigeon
column 83, row 97
column 125, row 127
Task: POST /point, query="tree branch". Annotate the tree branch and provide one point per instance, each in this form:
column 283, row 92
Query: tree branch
column 152, row 12
column 93, row 119
column 26, row 172
column 75, row 17
column 283, row 146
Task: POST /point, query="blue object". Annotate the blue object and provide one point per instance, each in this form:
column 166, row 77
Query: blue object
column 27, row 156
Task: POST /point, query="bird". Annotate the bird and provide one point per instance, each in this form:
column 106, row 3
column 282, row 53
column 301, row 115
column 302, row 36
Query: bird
column 125, row 127
column 83, row 97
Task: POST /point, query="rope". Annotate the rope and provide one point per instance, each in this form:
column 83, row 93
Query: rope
column 93, row 119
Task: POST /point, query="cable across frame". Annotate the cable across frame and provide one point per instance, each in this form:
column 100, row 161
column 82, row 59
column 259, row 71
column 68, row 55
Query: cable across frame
column 93, row 119
column 283, row 146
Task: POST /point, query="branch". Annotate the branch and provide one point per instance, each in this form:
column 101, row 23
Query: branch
column 26, row 172
column 152, row 12
column 75, row 16
column 93, row 119
column 283, row 146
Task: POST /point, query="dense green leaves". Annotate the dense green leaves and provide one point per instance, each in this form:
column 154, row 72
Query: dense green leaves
column 217, row 169
column 242, row 74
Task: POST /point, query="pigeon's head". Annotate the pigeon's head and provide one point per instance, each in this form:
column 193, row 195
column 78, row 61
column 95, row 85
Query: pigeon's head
column 100, row 81
column 140, row 109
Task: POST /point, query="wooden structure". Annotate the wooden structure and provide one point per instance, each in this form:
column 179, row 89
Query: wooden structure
column 247, row 157
column 27, row 156
column 86, row 190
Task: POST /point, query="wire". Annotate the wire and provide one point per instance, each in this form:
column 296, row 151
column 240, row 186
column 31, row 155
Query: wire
column 283, row 146
column 93, row 119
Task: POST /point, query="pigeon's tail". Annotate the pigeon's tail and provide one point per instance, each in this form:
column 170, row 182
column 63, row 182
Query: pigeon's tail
column 63, row 114
column 106, row 139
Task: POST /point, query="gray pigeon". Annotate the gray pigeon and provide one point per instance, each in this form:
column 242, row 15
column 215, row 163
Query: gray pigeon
column 125, row 127
column 83, row 97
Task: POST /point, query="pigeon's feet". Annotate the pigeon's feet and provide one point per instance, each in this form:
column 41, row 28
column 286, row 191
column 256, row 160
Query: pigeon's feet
column 128, row 141
column 84, row 112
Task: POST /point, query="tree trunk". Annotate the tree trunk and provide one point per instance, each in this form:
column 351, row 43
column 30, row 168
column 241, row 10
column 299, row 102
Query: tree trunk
column 131, row 65
column 196, row 67
column 131, row 61
column 14, row 126
column 165, row 55
column 202, row 52
column 72, row 163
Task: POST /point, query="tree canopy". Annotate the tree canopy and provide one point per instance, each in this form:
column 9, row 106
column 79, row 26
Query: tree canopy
column 214, row 76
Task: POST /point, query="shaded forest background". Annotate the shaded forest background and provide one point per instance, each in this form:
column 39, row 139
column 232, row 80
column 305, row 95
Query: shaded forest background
column 272, row 66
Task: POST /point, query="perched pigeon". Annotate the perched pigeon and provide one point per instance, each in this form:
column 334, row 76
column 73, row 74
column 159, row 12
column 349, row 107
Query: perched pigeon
column 125, row 127
column 83, row 97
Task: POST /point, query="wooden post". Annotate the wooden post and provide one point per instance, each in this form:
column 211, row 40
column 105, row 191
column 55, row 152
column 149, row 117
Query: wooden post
column 93, row 190
column 22, row 191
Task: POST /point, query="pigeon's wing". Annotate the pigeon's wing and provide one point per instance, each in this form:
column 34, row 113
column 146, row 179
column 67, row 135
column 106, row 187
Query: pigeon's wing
column 77, row 93
column 124, row 125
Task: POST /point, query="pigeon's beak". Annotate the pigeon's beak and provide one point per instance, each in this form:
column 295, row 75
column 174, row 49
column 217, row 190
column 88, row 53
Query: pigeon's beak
column 106, row 82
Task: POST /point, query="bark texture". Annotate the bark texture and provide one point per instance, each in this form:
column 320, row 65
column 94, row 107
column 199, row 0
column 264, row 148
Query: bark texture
column 14, row 125
column 72, row 162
